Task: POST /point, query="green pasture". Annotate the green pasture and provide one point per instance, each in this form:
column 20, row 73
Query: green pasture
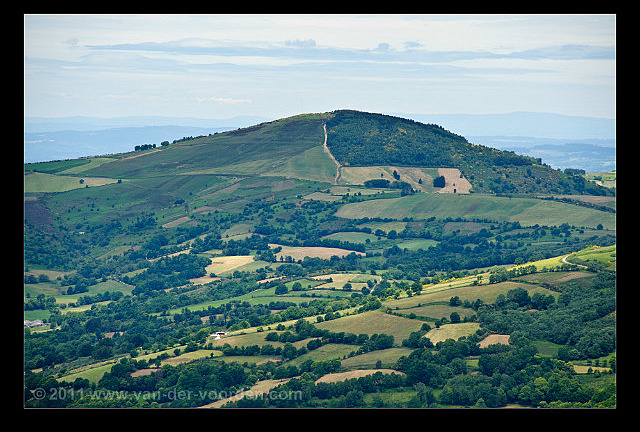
column 388, row 357
column 69, row 166
column 602, row 255
column 352, row 237
column 392, row 398
column 247, row 339
column 265, row 296
column 99, row 288
column 452, row 331
column 397, row 226
column 415, row 244
column 374, row 322
column 440, row 293
column 437, row 311
column 93, row 374
column 54, row 167
column 91, row 163
column 527, row 211
column 43, row 182
column 261, row 146
column 41, row 314
column 54, row 289
column 313, row 164
column 325, row 352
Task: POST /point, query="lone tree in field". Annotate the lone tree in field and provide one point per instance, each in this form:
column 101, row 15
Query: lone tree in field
column 439, row 182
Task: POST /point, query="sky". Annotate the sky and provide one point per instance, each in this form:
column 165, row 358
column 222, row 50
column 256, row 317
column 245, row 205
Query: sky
column 274, row 66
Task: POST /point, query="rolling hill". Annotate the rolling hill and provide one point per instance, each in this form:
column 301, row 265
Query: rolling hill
column 319, row 245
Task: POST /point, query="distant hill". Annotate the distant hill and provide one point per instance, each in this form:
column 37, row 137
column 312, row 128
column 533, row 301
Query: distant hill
column 523, row 124
column 47, row 139
column 293, row 147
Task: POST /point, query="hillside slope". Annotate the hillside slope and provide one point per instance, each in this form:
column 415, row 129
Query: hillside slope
column 366, row 139
column 246, row 151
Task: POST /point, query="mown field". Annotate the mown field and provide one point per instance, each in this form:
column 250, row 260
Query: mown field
column 43, row 182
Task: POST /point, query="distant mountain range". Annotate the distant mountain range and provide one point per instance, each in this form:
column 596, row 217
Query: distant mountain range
column 561, row 141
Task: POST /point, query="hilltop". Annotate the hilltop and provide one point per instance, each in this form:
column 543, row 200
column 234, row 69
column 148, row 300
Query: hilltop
column 291, row 147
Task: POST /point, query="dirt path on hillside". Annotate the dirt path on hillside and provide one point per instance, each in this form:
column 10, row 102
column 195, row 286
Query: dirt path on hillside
column 564, row 260
column 326, row 149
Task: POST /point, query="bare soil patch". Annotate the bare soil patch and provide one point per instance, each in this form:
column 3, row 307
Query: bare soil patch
column 494, row 339
column 342, row 376
column 454, row 182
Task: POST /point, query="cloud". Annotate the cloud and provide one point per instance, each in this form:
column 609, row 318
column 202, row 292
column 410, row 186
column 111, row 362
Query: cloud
column 410, row 45
column 308, row 43
column 223, row 100
column 412, row 52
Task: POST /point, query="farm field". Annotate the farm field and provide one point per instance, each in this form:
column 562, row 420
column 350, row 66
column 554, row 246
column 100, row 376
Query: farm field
column 374, row 322
column 357, row 373
column 313, row 164
column 43, row 182
column 451, row 331
column 441, row 293
column 299, row 252
column 526, row 211
column 419, row 178
column 387, row 358
column 224, row 264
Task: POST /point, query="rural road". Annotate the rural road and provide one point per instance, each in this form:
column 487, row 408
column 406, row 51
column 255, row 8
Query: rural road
column 326, row 149
column 564, row 260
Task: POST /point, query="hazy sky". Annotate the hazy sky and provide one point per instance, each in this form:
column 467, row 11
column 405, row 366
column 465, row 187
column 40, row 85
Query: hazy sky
column 220, row 66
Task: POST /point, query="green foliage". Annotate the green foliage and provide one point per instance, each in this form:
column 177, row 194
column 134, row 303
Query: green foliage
column 118, row 235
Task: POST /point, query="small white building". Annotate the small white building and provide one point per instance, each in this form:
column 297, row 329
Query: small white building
column 34, row 323
column 219, row 334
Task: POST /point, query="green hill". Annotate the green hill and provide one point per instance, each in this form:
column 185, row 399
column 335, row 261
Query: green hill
column 137, row 262
column 364, row 139
column 293, row 147
column 246, row 151
column 526, row 211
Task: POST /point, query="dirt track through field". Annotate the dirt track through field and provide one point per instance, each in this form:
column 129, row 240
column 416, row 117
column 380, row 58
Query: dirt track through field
column 326, row 149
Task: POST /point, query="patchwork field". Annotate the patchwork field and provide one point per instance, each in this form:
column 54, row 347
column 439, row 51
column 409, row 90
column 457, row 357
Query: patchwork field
column 454, row 181
column 452, row 331
column 339, row 279
column 419, row 178
column 526, row 211
column 494, row 339
column 227, row 263
column 313, row 164
column 388, row 357
column 43, row 182
column 441, row 294
column 298, row 252
column 374, row 322
column 603, row 255
column 352, row 237
column 342, row 376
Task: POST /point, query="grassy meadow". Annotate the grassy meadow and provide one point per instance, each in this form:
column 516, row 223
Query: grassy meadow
column 526, row 211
